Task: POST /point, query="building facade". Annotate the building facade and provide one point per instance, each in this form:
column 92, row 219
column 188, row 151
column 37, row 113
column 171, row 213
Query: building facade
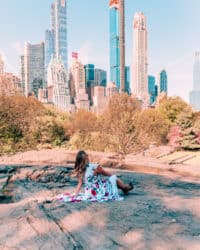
column 33, row 68
column 162, row 81
column 78, row 85
column 57, row 85
column 56, row 36
column 139, row 86
column 49, row 48
column 152, row 89
column 127, row 80
column 89, row 80
column 114, row 43
column 195, row 93
column 100, row 100
column 100, row 77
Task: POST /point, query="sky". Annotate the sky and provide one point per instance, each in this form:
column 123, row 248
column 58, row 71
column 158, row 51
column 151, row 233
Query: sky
column 173, row 34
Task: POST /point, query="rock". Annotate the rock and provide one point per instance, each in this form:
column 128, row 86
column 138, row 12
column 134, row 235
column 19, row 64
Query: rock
column 162, row 212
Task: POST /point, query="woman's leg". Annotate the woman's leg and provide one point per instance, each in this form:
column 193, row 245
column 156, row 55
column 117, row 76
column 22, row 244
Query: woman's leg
column 125, row 188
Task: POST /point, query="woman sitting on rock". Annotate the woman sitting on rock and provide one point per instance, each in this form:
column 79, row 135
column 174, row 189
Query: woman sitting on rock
column 99, row 184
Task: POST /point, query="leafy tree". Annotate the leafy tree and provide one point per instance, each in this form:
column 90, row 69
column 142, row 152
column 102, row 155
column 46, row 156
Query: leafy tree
column 152, row 127
column 188, row 123
column 83, row 121
column 117, row 124
column 172, row 107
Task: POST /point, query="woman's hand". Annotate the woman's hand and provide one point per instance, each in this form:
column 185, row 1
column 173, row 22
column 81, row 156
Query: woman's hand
column 78, row 188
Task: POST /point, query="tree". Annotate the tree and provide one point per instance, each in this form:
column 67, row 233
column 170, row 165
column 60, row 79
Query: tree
column 83, row 121
column 152, row 127
column 172, row 107
column 117, row 124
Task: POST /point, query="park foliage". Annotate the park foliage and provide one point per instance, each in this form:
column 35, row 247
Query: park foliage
column 124, row 127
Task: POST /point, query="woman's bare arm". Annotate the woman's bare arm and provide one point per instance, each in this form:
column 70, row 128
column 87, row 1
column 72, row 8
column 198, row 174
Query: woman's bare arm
column 78, row 188
column 100, row 170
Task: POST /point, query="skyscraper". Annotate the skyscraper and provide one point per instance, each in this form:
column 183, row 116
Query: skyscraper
column 77, row 84
column 22, row 73
column 56, row 36
column 49, row 47
column 140, row 63
column 195, row 93
column 33, row 67
column 162, row 81
column 114, row 43
column 100, row 77
column 89, row 79
column 152, row 89
column 122, row 44
column 89, row 75
column 57, row 84
column 127, row 80
column 1, row 65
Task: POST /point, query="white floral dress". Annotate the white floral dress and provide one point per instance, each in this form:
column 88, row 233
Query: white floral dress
column 97, row 187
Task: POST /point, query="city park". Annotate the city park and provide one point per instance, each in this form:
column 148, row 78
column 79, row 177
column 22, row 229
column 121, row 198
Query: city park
column 156, row 148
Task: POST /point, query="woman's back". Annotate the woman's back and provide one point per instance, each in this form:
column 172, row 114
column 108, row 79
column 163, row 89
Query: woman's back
column 99, row 186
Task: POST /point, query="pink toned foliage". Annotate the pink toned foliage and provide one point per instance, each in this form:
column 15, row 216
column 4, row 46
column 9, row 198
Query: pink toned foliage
column 174, row 135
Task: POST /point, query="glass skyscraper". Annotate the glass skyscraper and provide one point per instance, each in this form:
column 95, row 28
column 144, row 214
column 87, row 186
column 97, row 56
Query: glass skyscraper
column 56, row 37
column 114, row 43
column 100, row 77
column 163, row 81
column 89, row 78
column 127, row 80
column 49, row 47
column 152, row 89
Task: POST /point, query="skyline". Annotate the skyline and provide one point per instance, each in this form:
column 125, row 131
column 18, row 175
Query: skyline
column 172, row 41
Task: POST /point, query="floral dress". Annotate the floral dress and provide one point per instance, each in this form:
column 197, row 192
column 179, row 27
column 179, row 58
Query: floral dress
column 97, row 187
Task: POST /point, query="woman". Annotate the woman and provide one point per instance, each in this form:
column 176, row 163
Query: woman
column 100, row 185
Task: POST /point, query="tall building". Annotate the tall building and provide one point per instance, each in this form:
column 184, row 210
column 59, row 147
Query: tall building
column 100, row 77
column 195, row 93
column 89, row 75
column 162, row 81
column 22, row 74
column 1, row 65
column 58, row 92
column 78, row 85
column 33, row 65
column 114, row 43
column 122, row 44
column 89, row 79
column 152, row 89
column 49, row 48
column 100, row 99
column 127, row 80
column 140, row 62
column 56, row 36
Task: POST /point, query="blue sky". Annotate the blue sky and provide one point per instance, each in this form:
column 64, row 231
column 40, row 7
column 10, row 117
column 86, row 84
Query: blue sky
column 173, row 34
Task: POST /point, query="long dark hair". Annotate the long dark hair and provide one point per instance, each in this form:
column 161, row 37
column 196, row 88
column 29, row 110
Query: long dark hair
column 80, row 164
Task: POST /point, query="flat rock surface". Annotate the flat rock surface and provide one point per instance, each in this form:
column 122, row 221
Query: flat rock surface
column 160, row 213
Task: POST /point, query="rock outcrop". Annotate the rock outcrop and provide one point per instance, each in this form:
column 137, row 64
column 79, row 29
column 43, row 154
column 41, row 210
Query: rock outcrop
column 160, row 213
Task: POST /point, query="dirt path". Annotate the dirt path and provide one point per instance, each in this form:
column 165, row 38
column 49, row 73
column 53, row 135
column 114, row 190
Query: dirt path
column 160, row 213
